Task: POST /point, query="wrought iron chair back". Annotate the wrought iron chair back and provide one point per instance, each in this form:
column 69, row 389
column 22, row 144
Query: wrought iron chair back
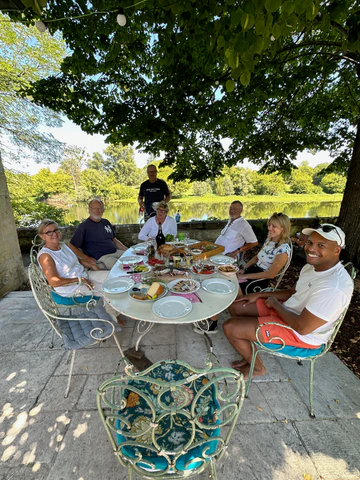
column 293, row 353
column 75, row 331
column 78, row 299
column 251, row 286
column 168, row 421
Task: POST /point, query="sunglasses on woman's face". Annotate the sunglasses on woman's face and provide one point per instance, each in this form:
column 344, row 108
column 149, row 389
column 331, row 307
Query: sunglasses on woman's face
column 50, row 233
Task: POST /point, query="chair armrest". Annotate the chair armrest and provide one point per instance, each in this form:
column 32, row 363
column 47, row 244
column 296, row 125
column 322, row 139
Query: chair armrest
column 271, row 339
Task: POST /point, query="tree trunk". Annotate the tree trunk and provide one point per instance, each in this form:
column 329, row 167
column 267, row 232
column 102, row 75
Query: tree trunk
column 12, row 273
column 349, row 218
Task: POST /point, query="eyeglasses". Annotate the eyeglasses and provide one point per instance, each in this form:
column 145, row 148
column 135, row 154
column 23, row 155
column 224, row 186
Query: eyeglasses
column 330, row 228
column 161, row 210
column 278, row 214
column 50, row 233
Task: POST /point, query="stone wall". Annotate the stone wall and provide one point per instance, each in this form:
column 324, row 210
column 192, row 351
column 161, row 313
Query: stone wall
column 128, row 234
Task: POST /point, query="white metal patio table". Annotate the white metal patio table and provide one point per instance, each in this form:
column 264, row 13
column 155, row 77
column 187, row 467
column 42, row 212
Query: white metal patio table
column 210, row 304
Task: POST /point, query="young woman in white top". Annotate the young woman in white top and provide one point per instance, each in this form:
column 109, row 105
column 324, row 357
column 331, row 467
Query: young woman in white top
column 271, row 258
column 63, row 270
column 151, row 227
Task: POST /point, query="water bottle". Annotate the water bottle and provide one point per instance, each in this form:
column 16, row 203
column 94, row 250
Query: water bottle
column 177, row 217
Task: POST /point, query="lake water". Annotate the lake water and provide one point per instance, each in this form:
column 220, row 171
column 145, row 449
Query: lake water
column 128, row 212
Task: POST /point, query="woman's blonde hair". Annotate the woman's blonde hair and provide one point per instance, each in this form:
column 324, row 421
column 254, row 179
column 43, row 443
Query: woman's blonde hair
column 45, row 223
column 284, row 222
column 162, row 205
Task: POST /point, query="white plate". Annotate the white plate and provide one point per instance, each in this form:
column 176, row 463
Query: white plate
column 222, row 260
column 195, row 283
column 218, row 286
column 130, row 260
column 190, row 241
column 144, row 290
column 172, row 307
column 117, row 285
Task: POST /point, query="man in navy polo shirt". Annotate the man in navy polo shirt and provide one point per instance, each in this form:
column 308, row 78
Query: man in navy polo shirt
column 94, row 241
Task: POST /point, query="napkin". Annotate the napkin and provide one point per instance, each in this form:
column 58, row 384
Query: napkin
column 190, row 296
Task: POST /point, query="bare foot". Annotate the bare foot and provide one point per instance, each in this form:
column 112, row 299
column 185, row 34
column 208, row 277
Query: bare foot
column 238, row 363
column 246, row 370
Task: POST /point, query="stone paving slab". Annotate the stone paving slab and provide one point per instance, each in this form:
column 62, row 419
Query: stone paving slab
column 46, row 437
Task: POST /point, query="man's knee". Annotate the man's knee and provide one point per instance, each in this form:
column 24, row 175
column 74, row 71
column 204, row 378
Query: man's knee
column 230, row 326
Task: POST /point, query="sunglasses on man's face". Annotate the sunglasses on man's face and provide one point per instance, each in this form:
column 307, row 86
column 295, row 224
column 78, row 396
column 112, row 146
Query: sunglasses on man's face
column 330, row 228
column 50, row 233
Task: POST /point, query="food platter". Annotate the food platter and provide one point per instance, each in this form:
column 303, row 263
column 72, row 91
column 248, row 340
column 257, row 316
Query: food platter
column 228, row 270
column 184, row 285
column 142, row 288
column 203, row 270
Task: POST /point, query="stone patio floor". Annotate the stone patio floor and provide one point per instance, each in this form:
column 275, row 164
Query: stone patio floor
column 45, row 436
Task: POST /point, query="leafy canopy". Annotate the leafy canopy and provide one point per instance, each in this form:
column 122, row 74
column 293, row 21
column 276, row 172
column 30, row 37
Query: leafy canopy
column 275, row 76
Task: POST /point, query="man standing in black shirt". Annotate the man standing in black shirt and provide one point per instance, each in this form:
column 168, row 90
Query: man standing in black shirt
column 152, row 190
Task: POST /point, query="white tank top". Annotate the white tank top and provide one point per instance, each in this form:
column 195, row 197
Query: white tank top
column 67, row 266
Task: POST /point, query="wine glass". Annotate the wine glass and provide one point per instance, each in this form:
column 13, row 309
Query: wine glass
column 186, row 239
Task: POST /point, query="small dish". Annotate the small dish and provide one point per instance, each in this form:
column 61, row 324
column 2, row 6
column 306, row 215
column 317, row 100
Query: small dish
column 130, row 260
column 219, row 286
column 228, row 270
column 172, row 307
column 196, row 251
column 222, row 260
column 117, row 285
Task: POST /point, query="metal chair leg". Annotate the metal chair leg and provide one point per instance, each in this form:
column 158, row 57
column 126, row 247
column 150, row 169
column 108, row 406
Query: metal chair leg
column 70, row 373
column 213, row 469
column 253, row 359
column 311, row 388
column 52, row 338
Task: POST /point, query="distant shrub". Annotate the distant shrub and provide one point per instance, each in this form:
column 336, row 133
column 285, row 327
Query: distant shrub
column 121, row 192
column 29, row 214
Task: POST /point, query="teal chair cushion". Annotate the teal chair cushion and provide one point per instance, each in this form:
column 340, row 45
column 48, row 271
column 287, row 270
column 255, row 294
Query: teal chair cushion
column 138, row 413
column 294, row 351
column 69, row 301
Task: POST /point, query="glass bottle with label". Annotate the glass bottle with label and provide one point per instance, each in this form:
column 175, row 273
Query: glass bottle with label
column 160, row 238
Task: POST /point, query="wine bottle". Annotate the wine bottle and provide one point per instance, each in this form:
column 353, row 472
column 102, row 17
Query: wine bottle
column 160, row 239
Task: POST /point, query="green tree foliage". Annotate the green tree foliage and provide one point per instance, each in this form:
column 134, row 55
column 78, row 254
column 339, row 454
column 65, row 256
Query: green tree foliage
column 333, row 183
column 269, row 184
column 121, row 192
column 301, row 181
column 96, row 182
column 96, row 162
column 319, row 172
column 224, row 186
column 26, row 55
column 28, row 213
column 20, row 185
column 201, row 189
column 47, row 183
column 74, row 159
column 120, row 160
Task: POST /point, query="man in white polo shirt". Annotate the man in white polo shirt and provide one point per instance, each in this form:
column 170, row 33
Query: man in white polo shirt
column 237, row 236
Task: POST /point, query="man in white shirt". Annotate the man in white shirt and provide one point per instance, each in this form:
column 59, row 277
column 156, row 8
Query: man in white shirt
column 322, row 292
column 237, row 236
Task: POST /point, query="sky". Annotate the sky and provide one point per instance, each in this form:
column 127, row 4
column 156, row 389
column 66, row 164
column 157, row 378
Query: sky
column 73, row 135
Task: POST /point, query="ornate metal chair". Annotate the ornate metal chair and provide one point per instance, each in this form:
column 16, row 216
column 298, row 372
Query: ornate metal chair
column 75, row 331
column 168, row 421
column 294, row 353
column 253, row 287
column 77, row 299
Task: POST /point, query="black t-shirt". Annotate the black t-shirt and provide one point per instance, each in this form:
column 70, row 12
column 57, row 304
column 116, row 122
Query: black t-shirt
column 153, row 192
column 95, row 238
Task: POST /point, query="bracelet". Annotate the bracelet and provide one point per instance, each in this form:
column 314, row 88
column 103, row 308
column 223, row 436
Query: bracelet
column 79, row 280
